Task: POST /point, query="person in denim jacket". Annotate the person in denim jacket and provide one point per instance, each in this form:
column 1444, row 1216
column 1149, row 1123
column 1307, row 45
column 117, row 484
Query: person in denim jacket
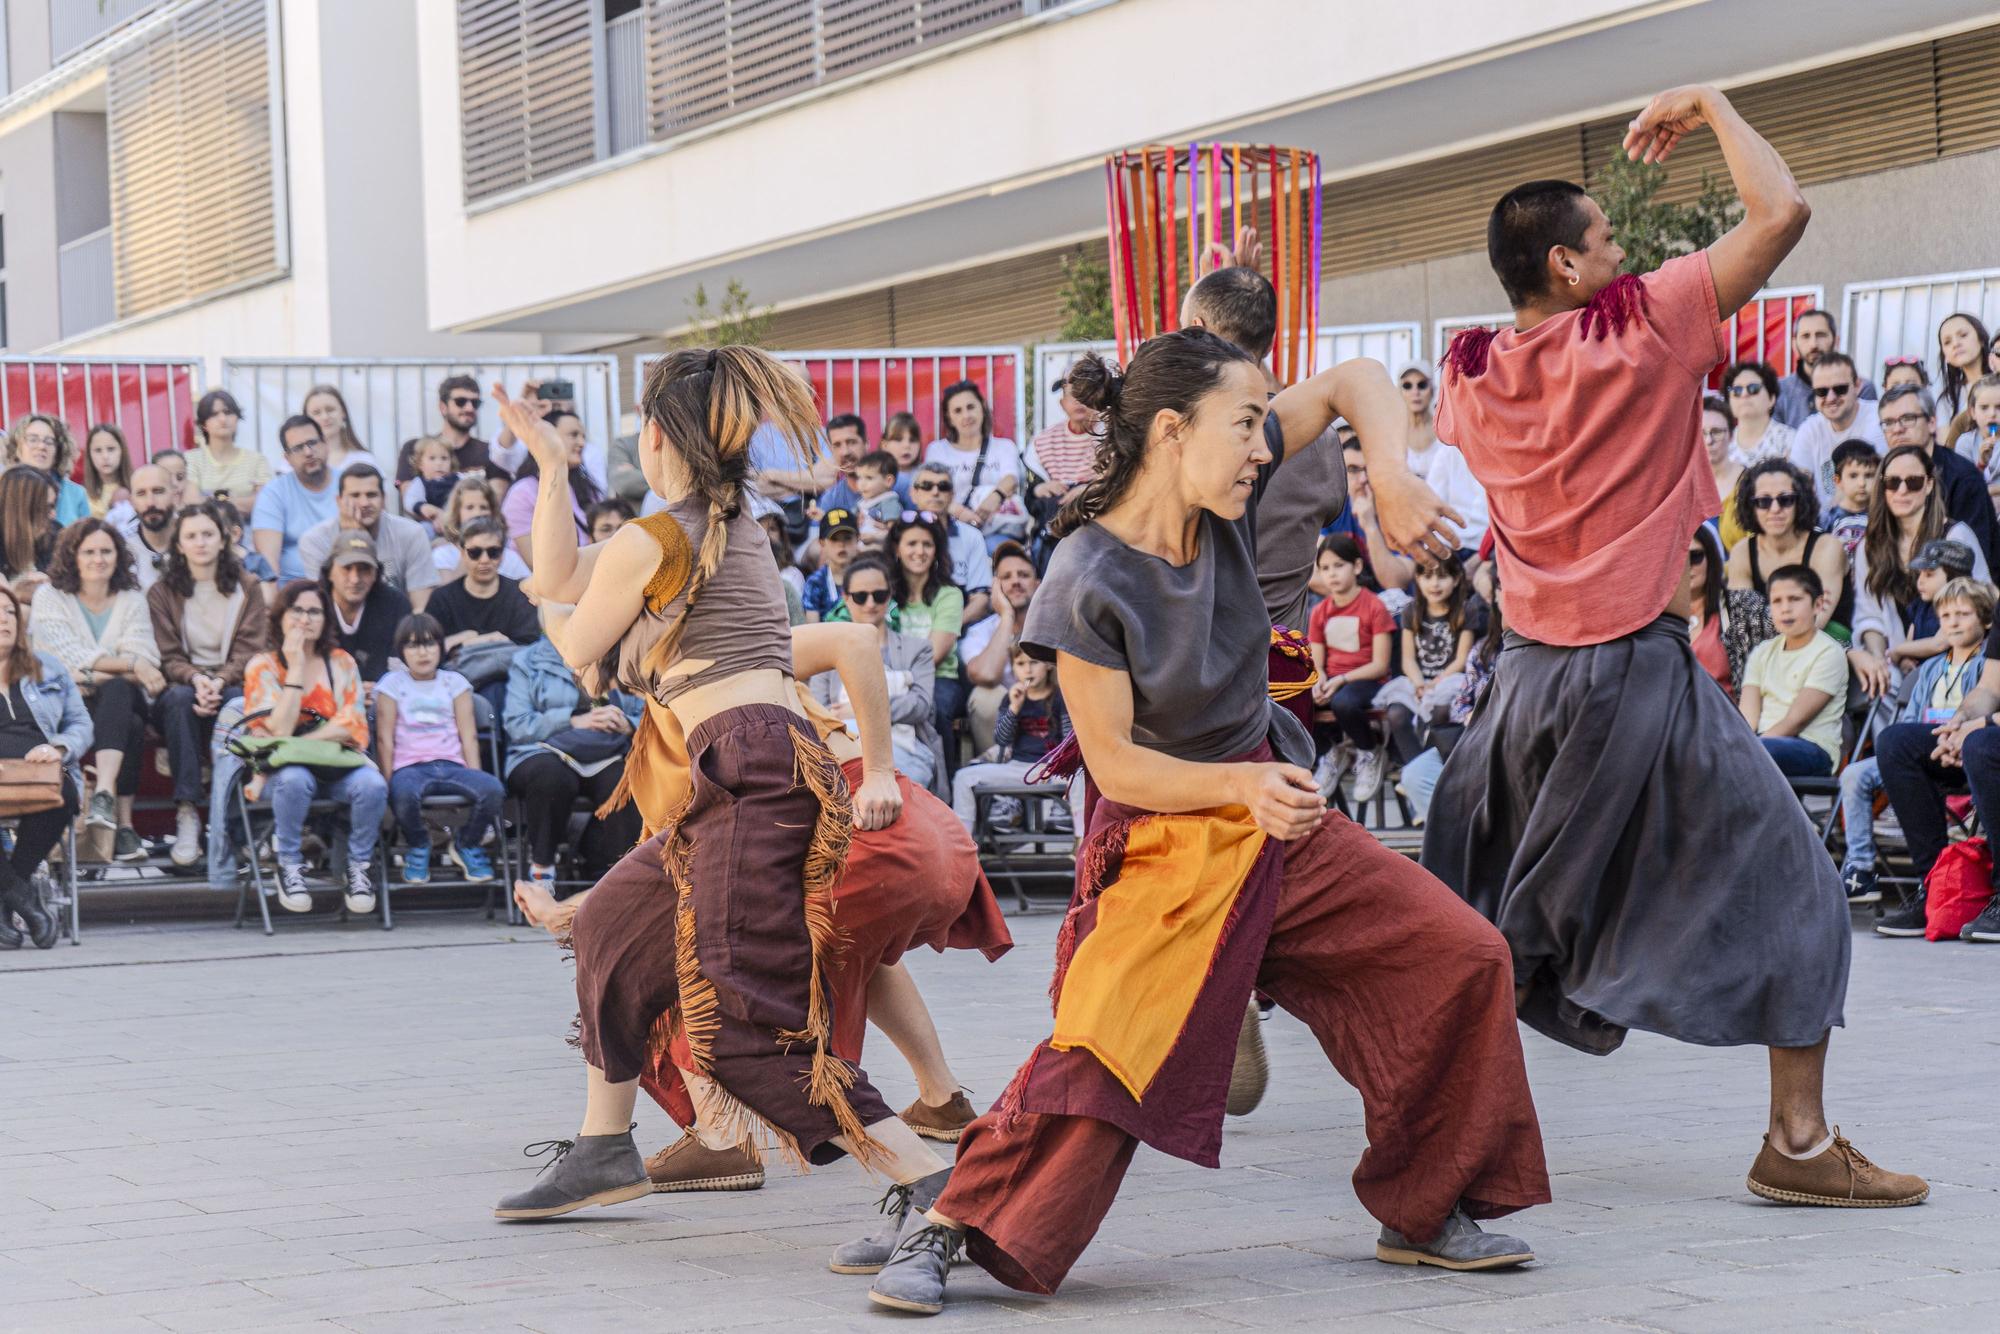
column 562, row 745
column 41, row 718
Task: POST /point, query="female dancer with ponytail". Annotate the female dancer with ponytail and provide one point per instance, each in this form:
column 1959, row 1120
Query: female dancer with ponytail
column 1211, row 865
column 686, row 608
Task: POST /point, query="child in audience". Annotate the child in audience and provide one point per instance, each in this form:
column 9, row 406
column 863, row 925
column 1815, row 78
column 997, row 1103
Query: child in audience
column 1795, row 685
column 875, row 483
column 1032, row 722
column 1438, row 630
column 1977, row 429
column 1349, row 633
column 1855, row 464
column 839, row 539
column 606, row 517
column 1936, row 564
column 903, row 441
column 425, row 494
column 1964, row 609
column 429, row 747
column 1420, row 775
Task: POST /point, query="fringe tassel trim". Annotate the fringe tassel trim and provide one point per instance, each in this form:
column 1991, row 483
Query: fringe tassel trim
column 1619, row 303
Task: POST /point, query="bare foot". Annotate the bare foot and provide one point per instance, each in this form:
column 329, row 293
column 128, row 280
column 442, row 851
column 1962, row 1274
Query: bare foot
column 543, row 909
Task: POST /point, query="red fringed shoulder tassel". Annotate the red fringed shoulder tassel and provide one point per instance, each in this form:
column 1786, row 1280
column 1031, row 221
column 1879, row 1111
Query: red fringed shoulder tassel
column 1618, row 303
column 1466, row 357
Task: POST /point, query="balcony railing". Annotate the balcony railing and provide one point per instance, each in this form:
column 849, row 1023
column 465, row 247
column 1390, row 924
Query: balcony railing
column 85, row 289
column 75, row 24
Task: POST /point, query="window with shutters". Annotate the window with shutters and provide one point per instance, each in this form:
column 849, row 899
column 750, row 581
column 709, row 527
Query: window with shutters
column 527, row 90
column 196, row 158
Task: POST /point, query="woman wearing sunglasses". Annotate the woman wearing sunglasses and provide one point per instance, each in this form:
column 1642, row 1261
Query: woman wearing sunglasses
column 911, row 667
column 1775, row 504
column 1753, row 396
column 1907, row 511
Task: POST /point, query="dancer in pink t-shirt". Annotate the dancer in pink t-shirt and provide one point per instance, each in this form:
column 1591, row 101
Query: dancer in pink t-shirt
column 1607, row 808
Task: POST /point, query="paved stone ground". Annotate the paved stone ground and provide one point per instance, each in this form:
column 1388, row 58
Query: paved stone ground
column 210, row 1131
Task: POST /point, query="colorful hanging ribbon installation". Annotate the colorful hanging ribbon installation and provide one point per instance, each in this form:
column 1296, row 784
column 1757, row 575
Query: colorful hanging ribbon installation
column 1156, row 246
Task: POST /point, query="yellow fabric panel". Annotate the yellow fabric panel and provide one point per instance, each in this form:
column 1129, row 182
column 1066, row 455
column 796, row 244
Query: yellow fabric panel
column 670, row 576
column 1133, row 980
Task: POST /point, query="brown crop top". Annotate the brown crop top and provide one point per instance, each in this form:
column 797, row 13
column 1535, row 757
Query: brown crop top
column 739, row 623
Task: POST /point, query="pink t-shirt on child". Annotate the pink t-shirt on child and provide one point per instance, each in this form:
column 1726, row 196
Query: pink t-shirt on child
column 426, row 717
column 1590, row 452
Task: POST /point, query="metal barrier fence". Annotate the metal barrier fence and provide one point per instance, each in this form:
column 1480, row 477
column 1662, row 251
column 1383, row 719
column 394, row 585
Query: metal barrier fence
column 391, row 400
column 1900, row 317
column 150, row 400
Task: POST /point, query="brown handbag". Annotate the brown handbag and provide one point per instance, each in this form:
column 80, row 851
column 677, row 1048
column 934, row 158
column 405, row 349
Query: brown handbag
column 28, row 786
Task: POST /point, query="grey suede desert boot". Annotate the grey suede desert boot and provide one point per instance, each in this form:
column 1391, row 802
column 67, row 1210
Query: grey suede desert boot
column 912, row 1279
column 590, row 1169
column 1459, row 1244
column 868, row 1254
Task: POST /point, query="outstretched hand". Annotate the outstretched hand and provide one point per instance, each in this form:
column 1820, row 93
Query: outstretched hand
column 532, row 430
column 1413, row 518
column 1663, row 122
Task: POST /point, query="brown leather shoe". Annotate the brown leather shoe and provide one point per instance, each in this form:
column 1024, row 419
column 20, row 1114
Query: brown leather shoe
column 688, row 1164
column 944, row 1124
column 1251, row 1074
column 1838, row 1177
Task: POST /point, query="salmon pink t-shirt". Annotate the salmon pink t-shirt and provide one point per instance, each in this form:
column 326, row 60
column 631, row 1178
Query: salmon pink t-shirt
column 1591, row 455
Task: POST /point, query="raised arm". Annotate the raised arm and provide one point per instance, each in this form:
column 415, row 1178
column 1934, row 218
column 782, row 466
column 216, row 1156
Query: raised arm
column 1411, row 515
column 1774, row 212
column 562, row 570
column 585, row 632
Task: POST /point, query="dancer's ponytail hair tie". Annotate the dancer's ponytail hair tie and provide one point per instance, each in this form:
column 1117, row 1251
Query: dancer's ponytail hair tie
column 1114, row 389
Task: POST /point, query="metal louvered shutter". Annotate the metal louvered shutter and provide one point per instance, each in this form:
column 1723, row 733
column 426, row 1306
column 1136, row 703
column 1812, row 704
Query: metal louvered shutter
column 849, row 321
column 1009, row 301
column 708, row 59
column 195, row 174
column 527, row 96
column 1434, row 208
column 1968, row 91
column 1849, row 119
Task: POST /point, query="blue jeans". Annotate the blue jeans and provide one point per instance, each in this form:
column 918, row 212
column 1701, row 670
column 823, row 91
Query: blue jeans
column 411, row 783
column 1797, row 757
column 291, row 791
column 1859, row 782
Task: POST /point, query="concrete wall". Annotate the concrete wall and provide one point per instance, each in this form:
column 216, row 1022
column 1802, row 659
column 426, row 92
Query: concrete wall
column 82, row 172
column 373, row 189
column 27, row 172
column 27, row 41
column 1936, row 217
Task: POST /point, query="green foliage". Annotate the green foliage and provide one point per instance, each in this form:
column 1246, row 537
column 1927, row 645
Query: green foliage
column 1086, row 299
column 731, row 321
column 1654, row 232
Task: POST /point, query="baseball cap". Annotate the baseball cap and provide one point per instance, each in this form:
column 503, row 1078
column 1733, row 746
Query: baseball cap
column 354, row 547
column 836, row 520
column 1942, row 553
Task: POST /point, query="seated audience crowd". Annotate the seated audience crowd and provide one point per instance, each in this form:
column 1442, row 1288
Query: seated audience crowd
column 166, row 605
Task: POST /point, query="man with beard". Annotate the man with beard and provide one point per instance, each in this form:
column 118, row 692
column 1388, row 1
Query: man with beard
column 1813, row 336
column 404, row 551
column 458, row 414
column 291, row 504
column 987, row 646
column 147, row 529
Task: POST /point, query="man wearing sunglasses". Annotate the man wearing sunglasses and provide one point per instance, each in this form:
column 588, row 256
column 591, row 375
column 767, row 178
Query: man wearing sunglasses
column 1813, row 336
column 971, row 566
column 1843, row 415
column 458, row 418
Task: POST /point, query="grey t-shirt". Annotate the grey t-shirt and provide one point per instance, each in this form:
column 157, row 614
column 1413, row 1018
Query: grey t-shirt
column 1307, row 494
column 1194, row 638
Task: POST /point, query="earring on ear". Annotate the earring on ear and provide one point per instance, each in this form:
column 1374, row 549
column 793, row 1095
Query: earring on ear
column 1572, row 280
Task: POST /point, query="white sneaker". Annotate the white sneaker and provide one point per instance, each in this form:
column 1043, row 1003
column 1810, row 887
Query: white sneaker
column 1333, row 767
column 1368, row 767
column 187, row 836
column 360, row 890
column 291, row 892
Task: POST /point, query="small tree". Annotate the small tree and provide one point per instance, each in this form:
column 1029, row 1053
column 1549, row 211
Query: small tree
column 1086, row 299
column 732, row 321
column 1653, row 232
